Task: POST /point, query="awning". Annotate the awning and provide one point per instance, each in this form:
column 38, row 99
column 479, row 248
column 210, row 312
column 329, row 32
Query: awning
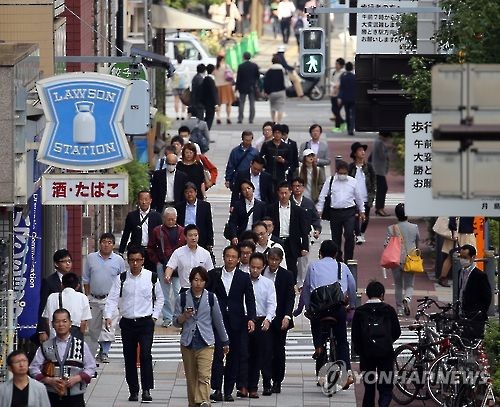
column 173, row 19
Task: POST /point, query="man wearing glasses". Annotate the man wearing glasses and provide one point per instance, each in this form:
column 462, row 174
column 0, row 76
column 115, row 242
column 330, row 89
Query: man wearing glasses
column 99, row 272
column 52, row 284
column 140, row 299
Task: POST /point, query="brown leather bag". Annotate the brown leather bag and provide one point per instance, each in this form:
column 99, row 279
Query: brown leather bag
column 48, row 368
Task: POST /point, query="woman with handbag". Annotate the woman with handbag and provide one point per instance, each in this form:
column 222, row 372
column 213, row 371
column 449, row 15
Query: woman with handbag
column 224, row 80
column 403, row 280
column 312, row 176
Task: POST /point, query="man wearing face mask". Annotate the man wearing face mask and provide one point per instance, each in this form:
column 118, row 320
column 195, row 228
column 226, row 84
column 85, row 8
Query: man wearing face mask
column 167, row 185
column 345, row 197
column 474, row 292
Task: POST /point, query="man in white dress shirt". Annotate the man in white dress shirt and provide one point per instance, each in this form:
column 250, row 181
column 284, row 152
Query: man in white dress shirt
column 185, row 258
column 264, row 243
column 139, row 298
column 345, row 197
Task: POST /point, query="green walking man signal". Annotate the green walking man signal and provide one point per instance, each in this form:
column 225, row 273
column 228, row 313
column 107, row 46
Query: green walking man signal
column 312, row 51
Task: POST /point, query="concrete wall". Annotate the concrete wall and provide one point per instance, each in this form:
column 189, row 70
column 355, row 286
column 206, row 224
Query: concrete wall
column 6, row 134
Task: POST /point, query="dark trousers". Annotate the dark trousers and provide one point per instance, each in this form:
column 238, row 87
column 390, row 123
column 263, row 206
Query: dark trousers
column 291, row 258
column 343, row 220
column 138, row 332
column 336, row 111
column 381, row 192
column 237, row 339
column 384, row 369
column 66, row 401
column 360, row 227
column 198, row 111
column 349, row 108
column 320, row 336
column 259, row 349
column 209, row 115
column 241, row 107
column 285, row 28
column 278, row 341
column 242, row 378
column 148, row 264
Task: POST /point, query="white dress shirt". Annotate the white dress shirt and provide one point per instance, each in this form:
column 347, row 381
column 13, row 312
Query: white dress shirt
column 270, row 244
column 265, row 297
column 244, row 267
column 75, row 302
column 255, row 180
column 169, row 195
column 137, row 297
column 269, row 274
column 345, row 194
column 184, row 259
column 285, row 9
column 249, row 205
column 284, row 212
column 314, row 146
column 227, row 279
column 361, row 180
column 144, row 227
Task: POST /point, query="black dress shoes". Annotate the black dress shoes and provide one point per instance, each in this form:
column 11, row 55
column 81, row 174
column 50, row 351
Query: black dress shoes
column 133, row 397
column 242, row 393
column 216, row 396
column 267, row 392
column 146, row 397
column 276, row 388
column 228, row 397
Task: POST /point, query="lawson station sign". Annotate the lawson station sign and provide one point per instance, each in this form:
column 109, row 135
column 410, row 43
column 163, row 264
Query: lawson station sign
column 84, row 112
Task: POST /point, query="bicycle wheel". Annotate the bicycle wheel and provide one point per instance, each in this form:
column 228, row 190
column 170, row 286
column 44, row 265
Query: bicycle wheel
column 405, row 389
column 442, row 379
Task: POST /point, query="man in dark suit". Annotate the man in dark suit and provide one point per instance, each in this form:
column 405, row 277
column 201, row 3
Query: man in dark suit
column 474, row 292
column 295, row 231
column 245, row 213
column 234, row 292
column 210, row 96
column 282, row 322
column 196, row 102
column 294, row 152
column 277, row 155
column 139, row 225
column 261, row 180
column 347, row 96
column 196, row 212
column 167, row 185
column 246, row 84
column 63, row 263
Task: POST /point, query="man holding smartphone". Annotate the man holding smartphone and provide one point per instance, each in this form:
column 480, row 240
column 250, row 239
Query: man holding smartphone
column 277, row 155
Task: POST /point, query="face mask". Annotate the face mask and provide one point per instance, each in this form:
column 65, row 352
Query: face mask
column 342, row 177
column 171, row 167
column 464, row 263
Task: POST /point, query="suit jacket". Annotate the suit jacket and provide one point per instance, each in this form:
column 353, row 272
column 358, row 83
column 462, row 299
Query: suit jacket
column 477, row 295
column 247, row 76
column 197, row 90
column 269, row 152
column 265, row 185
column 50, row 284
column 312, row 215
column 323, row 155
column 133, row 229
column 231, row 305
column 203, row 221
column 238, row 219
column 299, row 233
column 210, row 93
column 159, row 188
column 285, row 297
column 294, row 158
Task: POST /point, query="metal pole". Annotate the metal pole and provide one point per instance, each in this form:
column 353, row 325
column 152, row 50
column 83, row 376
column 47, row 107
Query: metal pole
column 455, row 270
column 119, row 28
column 146, row 25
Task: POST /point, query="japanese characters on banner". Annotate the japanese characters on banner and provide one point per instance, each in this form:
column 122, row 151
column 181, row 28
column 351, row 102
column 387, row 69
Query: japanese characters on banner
column 418, row 177
column 377, row 33
column 27, row 264
column 85, row 189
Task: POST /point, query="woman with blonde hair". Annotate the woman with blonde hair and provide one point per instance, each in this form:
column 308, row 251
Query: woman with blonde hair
column 224, row 79
column 309, row 172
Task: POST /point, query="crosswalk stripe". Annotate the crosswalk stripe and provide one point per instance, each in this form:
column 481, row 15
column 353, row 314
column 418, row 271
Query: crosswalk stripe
column 299, row 347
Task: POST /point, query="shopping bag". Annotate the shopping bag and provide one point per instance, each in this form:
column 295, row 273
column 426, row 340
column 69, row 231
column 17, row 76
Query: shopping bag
column 391, row 256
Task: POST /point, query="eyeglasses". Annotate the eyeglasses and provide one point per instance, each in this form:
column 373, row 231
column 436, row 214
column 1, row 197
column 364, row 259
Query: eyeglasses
column 65, row 261
column 136, row 260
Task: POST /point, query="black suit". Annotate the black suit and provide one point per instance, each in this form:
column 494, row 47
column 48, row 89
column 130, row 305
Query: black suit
column 476, row 297
column 210, row 99
column 197, row 96
column 50, row 284
column 159, row 188
column 203, row 221
column 246, row 84
column 285, row 298
column 294, row 158
column 133, row 229
column 238, row 219
column 235, row 321
column 266, row 188
column 298, row 238
column 312, row 215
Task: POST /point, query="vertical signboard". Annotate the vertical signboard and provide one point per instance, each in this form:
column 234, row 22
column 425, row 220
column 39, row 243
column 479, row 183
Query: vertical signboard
column 27, row 264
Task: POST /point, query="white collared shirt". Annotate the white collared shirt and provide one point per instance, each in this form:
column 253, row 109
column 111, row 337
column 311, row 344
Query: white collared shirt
column 185, row 259
column 227, row 279
column 255, row 180
column 144, row 227
column 269, row 274
column 169, row 195
column 244, row 267
column 361, row 180
column 270, row 244
column 314, row 146
column 345, row 194
column 284, row 212
column 137, row 296
column 265, row 297
column 249, row 205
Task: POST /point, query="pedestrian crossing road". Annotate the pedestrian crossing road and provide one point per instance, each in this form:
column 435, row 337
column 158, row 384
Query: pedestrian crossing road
column 299, row 347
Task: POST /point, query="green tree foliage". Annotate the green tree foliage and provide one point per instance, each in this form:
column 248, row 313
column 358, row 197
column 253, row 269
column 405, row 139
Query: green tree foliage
column 492, row 346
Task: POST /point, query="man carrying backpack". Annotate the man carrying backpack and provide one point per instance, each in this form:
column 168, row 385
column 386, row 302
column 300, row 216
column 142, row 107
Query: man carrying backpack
column 375, row 328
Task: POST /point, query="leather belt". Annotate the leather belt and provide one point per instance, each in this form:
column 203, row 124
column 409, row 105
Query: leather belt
column 99, row 297
column 139, row 318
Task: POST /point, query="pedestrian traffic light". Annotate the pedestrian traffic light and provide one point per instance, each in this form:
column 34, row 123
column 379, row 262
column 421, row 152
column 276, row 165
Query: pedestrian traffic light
column 312, row 51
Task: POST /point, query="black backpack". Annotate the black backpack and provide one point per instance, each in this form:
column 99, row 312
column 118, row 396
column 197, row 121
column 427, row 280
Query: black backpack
column 328, row 298
column 198, row 137
column 377, row 329
column 154, row 279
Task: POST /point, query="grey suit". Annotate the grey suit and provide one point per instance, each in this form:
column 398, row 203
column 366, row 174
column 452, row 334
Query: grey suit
column 323, row 156
column 402, row 279
column 37, row 394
